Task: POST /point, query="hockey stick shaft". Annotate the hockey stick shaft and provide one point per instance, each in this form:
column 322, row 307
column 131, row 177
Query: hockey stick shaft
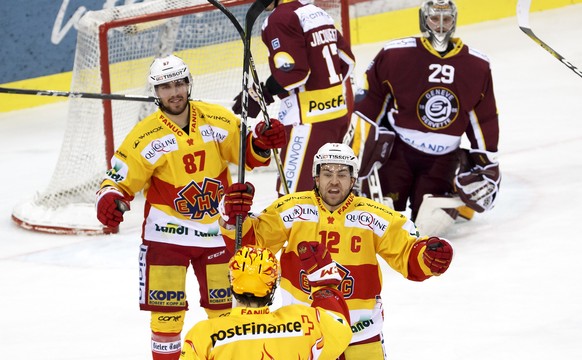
column 253, row 71
column 77, row 95
column 523, row 7
column 252, row 14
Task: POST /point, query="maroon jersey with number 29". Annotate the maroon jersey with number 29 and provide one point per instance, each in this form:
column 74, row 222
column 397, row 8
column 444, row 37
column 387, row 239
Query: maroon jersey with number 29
column 431, row 101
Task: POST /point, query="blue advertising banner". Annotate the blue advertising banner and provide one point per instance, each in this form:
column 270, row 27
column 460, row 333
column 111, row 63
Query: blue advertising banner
column 39, row 36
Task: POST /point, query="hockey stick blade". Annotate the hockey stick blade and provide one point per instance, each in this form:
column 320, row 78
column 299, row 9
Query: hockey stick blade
column 253, row 13
column 77, row 95
column 523, row 7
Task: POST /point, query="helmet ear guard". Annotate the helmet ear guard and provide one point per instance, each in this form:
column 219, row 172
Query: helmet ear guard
column 422, row 20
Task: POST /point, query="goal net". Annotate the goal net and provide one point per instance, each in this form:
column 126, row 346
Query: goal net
column 115, row 48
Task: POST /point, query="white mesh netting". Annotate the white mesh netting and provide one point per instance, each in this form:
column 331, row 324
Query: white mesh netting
column 192, row 29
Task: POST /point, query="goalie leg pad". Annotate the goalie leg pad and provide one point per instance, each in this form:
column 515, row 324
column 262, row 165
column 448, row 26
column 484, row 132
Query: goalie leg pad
column 437, row 214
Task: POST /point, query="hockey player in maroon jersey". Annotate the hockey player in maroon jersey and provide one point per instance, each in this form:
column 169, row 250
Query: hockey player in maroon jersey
column 356, row 231
column 179, row 157
column 291, row 332
column 310, row 65
column 432, row 90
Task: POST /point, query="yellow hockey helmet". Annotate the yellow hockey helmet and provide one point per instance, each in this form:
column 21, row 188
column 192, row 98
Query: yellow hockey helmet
column 254, row 271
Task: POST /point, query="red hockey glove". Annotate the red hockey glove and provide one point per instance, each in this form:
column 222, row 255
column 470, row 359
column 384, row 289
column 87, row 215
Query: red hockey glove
column 437, row 255
column 479, row 186
column 237, row 200
column 272, row 137
column 317, row 261
column 331, row 299
column 111, row 204
column 254, row 100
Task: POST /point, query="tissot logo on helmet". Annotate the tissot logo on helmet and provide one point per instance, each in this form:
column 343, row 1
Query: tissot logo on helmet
column 336, row 153
column 168, row 69
column 170, row 75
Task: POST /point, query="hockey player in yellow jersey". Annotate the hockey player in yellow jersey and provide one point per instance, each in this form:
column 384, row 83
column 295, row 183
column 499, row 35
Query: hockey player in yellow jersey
column 292, row 332
column 355, row 230
column 179, row 157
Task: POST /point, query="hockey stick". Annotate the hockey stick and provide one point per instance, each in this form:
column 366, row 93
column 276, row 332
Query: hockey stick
column 523, row 7
column 252, row 14
column 77, row 95
column 253, row 71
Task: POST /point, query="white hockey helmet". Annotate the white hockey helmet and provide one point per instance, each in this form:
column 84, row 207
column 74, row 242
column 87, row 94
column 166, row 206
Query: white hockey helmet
column 336, row 153
column 166, row 69
column 432, row 16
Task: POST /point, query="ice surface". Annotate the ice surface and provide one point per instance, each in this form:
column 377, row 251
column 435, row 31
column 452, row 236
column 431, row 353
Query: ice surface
column 512, row 292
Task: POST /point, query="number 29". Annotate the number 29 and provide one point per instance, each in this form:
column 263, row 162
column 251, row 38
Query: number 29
column 442, row 74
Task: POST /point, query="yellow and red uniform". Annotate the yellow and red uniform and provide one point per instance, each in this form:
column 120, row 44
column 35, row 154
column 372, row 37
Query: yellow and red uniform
column 183, row 173
column 355, row 233
column 291, row 332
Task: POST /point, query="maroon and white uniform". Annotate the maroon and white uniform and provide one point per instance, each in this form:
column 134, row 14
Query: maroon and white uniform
column 430, row 101
column 310, row 59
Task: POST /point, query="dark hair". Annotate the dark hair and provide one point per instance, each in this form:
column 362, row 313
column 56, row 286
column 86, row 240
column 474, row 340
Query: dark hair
column 248, row 298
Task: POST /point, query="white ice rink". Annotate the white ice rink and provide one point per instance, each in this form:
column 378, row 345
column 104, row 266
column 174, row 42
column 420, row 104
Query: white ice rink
column 513, row 291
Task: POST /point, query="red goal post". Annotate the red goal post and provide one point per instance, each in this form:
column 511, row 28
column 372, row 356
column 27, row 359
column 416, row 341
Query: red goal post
column 115, row 47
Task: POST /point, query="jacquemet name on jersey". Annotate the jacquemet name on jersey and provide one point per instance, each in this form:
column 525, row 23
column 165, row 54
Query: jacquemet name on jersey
column 323, row 37
column 250, row 329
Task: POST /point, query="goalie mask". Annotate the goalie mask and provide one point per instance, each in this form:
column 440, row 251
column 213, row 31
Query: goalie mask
column 336, row 153
column 438, row 20
column 254, row 271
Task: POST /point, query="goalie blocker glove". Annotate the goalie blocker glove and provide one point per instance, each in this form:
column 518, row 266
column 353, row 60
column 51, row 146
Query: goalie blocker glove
column 237, row 200
column 111, row 204
column 317, row 262
column 479, row 186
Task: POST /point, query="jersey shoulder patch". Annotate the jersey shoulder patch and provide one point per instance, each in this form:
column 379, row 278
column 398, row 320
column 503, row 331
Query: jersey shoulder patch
column 401, row 43
column 311, row 17
column 478, row 54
